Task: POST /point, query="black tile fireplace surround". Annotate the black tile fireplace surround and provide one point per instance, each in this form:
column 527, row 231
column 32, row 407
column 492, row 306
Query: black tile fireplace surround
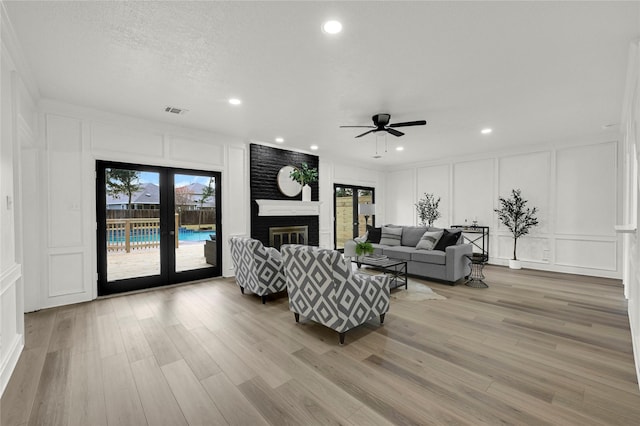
column 265, row 163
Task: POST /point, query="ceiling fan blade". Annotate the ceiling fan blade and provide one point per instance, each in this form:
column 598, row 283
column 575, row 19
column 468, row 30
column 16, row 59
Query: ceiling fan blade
column 368, row 127
column 366, row 133
column 409, row 123
column 394, row 132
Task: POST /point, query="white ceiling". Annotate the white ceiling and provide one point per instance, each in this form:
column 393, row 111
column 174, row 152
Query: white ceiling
column 535, row 72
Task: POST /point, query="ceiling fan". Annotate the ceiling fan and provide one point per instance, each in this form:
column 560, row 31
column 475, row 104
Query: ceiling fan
column 381, row 124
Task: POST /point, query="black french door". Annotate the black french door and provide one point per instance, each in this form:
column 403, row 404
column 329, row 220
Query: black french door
column 156, row 226
column 354, row 209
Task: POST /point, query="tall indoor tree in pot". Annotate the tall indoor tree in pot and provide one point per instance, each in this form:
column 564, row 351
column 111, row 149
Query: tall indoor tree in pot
column 304, row 176
column 427, row 209
column 517, row 218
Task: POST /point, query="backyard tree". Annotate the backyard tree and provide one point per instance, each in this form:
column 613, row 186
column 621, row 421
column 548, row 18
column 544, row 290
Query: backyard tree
column 207, row 192
column 126, row 182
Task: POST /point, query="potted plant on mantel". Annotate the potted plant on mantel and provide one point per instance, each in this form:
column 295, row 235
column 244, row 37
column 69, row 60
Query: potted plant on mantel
column 304, row 176
column 427, row 208
column 518, row 219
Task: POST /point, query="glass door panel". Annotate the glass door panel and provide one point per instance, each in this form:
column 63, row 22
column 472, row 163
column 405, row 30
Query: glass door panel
column 344, row 215
column 132, row 223
column 195, row 222
column 354, row 209
column 366, row 209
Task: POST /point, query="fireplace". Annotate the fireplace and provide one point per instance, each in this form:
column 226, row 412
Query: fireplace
column 279, row 235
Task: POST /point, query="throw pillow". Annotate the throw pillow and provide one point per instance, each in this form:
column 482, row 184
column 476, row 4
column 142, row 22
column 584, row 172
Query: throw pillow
column 391, row 236
column 448, row 239
column 429, row 240
column 374, row 235
column 411, row 235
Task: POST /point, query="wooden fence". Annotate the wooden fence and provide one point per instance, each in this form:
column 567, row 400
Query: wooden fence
column 187, row 217
column 345, row 219
column 134, row 234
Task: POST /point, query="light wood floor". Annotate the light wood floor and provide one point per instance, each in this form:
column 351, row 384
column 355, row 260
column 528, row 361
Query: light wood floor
column 535, row 348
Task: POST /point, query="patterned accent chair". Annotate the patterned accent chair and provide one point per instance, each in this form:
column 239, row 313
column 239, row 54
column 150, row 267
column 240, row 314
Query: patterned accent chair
column 258, row 269
column 323, row 288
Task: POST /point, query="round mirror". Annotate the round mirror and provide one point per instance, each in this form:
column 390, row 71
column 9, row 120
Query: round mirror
column 288, row 186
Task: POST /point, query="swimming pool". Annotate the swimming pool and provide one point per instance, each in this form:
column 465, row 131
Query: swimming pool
column 184, row 234
column 190, row 235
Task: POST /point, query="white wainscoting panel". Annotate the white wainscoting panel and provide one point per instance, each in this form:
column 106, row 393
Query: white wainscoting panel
column 530, row 248
column 473, row 192
column 66, row 272
column 195, row 151
column 124, row 140
column 530, row 173
column 436, row 180
column 400, row 201
column 64, row 150
column 584, row 253
column 586, row 190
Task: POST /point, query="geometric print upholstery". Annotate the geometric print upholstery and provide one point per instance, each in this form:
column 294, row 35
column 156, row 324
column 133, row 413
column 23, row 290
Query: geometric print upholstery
column 323, row 288
column 256, row 269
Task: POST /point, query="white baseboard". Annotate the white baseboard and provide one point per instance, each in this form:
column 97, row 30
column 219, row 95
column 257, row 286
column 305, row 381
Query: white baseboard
column 11, row 360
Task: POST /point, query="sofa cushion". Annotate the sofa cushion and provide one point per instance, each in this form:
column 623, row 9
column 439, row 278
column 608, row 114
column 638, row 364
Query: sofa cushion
column 448, row 239
column 399, row 252
column 429, row 256
column 391, row 236
column 374, row 234
column 411, row 235
column 429, row 240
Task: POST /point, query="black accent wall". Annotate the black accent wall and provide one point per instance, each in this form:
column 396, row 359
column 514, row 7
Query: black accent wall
column 265, row 163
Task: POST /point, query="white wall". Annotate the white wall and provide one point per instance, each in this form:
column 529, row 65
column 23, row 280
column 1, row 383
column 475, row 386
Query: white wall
column 64, row 161
column 574, row 187
column 18, row 129
column 630, row 128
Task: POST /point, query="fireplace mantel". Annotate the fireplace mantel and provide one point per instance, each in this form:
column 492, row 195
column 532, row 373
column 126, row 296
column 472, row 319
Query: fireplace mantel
column 288, row 208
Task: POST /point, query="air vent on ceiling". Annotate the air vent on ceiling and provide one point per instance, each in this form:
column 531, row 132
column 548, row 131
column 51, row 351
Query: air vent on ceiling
column 174, row 110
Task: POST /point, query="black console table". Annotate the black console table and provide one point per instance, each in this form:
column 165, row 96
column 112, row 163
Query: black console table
column 478, row 237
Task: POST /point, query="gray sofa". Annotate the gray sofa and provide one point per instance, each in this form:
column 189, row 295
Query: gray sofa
column 449, row 265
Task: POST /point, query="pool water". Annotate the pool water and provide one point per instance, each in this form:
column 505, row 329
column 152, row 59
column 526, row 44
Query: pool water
column 189, row 235
column 183, row 235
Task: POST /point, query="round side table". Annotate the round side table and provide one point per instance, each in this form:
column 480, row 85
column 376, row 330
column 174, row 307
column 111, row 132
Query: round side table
column 475, row 278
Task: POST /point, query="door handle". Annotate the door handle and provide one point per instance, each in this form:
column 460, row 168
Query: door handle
column 172, row 233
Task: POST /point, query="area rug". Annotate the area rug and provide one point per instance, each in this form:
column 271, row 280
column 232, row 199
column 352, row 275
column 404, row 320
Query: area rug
column 416, row 292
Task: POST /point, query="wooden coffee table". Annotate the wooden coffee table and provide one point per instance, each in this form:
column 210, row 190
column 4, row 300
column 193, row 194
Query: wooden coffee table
column 395, row 268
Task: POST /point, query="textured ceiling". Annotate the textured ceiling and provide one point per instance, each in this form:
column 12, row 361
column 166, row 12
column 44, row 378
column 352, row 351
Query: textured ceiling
column 535, row 72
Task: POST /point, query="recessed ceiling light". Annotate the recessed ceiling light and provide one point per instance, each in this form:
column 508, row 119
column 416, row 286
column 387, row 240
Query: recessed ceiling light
column 486, row 131
column 332, row 27
column 279, row 140
column 399, row 148
column 235, row 101
column 314, row 147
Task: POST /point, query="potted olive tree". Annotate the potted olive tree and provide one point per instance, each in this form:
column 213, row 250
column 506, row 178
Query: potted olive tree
column 304, row 176
column 517, row 218
column 427, row 209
